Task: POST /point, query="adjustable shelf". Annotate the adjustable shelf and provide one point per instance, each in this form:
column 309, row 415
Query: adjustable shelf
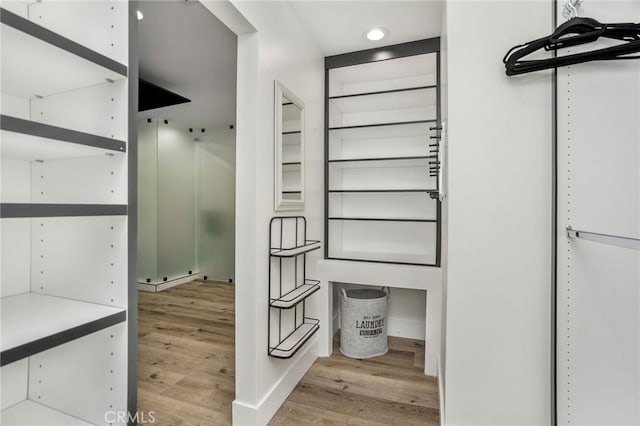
column 399, row 73
column 31, row 413
column 392, row 190
column 385, row 124
column 17, row 210
column 386, row 219
column 289, row 287
column 359, row 160
column 30, row 140
column 297, row 295
column 308, row 246
column 32, row 323
column 383, row 156
column 382, row 257
column 292, row 343
column 39, row 62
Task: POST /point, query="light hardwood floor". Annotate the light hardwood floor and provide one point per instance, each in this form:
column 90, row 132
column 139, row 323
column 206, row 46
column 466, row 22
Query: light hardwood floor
column 186, row 370
column 387, row 390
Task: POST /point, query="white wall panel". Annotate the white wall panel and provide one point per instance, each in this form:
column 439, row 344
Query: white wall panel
column 91, row 180
column 598, row 325
column 100, row 109
column 14, row 379
column 71, row 19
column 82, row 258
column 499, row 232
column 15, row 181
column 84, row 378
column 15, row 256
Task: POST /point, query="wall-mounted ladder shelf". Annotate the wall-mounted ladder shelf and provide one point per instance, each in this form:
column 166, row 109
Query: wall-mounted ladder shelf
column 289, row 328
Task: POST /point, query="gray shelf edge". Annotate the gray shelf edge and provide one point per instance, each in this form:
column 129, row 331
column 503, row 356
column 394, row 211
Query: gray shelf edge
column 32, row 210
column 33, row 128
column 40, row 345
column 30, row 28
column 348, row 259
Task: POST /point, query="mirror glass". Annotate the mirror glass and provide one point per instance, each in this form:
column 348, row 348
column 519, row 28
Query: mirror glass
column 289, row 167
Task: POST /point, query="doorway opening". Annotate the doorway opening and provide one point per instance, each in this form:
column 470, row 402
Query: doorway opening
column 186, row 213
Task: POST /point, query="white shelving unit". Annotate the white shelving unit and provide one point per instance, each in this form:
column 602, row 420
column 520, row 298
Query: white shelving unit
column 63, row 214
column 382, row 158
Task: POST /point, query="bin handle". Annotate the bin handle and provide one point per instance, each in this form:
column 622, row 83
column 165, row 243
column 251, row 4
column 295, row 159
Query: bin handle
column 388, row 292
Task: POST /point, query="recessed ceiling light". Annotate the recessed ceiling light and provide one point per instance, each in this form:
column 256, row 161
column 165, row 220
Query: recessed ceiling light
column 140, row 16
column 376, row 34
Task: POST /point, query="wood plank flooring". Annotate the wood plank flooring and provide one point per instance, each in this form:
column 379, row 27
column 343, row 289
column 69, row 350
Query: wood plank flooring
column 387, row 390
column 186, row 370
column 186, row 373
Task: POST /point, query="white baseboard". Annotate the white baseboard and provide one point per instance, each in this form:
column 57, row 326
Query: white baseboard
column 249, row 415
column 410, row 329
column 154, row 288
column 441, row 393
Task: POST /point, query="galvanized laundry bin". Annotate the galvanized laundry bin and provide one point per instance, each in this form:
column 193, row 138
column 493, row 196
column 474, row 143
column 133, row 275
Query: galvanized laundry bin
column 363, row 318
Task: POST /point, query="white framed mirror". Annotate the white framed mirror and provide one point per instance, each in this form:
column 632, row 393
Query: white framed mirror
column 289, row 150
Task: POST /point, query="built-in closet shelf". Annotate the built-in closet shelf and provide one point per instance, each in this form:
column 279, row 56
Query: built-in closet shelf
column 420, row 161
column 425, row 190
column 30, row 140
column 29, row 413
column 310, row 245
column 32, row 323
column 39, row 62
column 362, row 160
column 386, row 219
column 292, row 163
column 289, row 346
column 396, row 123
column 292, row 192
column 292, row 132
column 292, row 298
column 386, row 101
column 18, row 210
column 382, row 257
column 382, row 92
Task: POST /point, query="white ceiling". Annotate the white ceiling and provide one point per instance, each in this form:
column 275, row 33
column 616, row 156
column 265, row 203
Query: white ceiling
column 184, row 48
column 338, row 26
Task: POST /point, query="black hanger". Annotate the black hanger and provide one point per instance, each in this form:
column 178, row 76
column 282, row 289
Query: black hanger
column 575, row 32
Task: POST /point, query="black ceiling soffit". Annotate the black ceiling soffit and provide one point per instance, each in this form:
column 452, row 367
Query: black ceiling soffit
column 152, row 96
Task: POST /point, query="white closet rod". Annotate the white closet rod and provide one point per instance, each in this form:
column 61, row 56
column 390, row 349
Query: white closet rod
column 626, row 242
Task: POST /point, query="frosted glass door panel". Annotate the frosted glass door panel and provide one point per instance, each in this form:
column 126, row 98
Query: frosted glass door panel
column 147, row 200
column 176, row 201
column 216, row 205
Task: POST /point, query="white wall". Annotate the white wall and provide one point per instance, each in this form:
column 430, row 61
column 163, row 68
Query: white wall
column 215, row 204
column 498, row 284
column 280, row 49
